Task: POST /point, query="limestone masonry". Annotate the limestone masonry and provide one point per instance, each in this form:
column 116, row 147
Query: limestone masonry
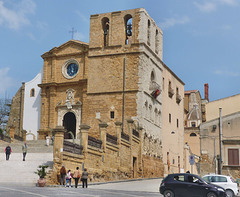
column 113, row 105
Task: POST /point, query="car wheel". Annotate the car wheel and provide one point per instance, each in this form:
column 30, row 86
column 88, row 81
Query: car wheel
column 168, row 193
column 211, row 194
column 229, row 193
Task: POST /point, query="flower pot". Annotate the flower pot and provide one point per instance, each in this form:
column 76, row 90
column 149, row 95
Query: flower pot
column 41, row 182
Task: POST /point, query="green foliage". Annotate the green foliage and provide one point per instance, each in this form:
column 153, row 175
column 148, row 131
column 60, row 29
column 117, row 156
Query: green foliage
column 41, row 172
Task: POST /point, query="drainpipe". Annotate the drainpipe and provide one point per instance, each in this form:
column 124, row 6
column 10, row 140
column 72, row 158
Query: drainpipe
column 123, row 101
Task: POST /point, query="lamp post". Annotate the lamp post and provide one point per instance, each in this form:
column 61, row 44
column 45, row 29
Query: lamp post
column 220, row 140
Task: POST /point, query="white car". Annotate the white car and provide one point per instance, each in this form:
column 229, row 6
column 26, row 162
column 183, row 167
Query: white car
column 226, row 182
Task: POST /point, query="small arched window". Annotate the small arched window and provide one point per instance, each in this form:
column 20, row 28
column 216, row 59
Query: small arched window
column 105, row 26
column 193, row 135
column 128, row 28
column 148, row 32
column 152, row 76
column 32, row 92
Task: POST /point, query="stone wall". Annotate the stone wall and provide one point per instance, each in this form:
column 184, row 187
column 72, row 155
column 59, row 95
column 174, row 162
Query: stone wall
column 152, row 167
column 15, row 120
column 123, row 160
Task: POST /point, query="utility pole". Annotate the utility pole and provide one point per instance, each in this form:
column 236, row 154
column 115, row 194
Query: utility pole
column 220, row 140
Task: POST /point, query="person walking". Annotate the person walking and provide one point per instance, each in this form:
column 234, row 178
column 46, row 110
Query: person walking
column 8, row 151
column 76, row 176
column 24, row 150
column 68, row 178
column 84, row 178
column 62, row 174
column 47, row 140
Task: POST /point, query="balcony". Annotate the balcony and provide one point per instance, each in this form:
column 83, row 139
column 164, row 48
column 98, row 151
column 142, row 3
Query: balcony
column 154, row 86
column 178, row 98
column 170, row 92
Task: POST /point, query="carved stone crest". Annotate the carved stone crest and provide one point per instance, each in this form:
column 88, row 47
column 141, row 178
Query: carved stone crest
column 70, row 98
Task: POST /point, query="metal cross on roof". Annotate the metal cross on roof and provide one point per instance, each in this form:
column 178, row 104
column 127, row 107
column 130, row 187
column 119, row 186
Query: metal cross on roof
column 73, row 31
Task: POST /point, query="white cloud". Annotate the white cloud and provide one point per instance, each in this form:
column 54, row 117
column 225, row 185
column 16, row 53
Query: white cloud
column 5, row 81
column 83, row 17
column 16, row 16
column 226, row 73
column 170, row 22
column 206, row 7
column 212, row 5
column 229, row 2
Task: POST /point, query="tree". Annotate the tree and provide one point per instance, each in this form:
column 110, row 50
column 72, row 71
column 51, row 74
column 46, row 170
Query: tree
column 5, row 107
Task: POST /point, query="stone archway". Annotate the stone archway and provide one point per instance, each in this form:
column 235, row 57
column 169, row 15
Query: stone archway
column 69, row 123
column 75, row 110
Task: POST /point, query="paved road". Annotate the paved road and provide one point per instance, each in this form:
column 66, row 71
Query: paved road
column 145, row 188
column 142, row 188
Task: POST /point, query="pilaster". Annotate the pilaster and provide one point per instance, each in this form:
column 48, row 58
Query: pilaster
column 84, row 138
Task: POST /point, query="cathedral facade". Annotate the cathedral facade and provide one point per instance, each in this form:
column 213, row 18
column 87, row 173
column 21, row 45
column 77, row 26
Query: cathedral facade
column 119, row 76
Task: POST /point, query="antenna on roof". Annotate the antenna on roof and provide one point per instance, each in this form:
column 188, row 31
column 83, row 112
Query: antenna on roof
column 73, row 31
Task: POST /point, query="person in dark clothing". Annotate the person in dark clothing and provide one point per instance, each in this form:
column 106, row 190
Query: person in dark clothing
column 63, row 174
column 84, row 178
column 8, row 151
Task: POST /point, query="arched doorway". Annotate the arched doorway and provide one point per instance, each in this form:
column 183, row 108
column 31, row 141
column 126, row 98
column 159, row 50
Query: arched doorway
column 69, row 123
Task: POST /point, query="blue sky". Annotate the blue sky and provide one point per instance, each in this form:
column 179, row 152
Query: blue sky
column 201, row 42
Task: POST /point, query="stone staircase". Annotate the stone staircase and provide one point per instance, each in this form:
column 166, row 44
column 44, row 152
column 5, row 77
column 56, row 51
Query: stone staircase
column 17, row 171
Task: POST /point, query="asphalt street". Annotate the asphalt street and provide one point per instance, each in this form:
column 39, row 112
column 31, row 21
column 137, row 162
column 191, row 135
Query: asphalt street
column 143, row 188
column 137, row 188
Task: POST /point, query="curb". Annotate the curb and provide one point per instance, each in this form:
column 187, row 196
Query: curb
column 102, row 183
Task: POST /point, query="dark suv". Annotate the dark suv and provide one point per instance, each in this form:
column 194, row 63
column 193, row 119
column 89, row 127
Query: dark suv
column 189, row 185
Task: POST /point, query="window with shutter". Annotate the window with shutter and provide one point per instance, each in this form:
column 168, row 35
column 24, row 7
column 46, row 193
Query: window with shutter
column 233, row 157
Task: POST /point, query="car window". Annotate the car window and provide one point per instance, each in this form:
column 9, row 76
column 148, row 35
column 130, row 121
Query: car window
column 214, row 179
column 207, row 178
column 232, row 180
column 192, row 179
column 221, row 179
column 179, row 178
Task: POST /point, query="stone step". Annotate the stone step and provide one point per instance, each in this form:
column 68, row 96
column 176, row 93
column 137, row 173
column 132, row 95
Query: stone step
column 38, row 146
column 22, row 172
column 17, row 171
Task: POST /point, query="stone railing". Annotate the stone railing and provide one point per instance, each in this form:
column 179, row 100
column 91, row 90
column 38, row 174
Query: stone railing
column 72, row 147
column 94, row 142
column 124, row 136
column 135, row 133
column 7, row 139
column 17, row 137
column 112, row 139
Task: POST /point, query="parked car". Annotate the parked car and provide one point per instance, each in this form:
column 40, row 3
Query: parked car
column 226, row 182
column 189, row 185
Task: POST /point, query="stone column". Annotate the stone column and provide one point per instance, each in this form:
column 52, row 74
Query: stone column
column 119, row 131
column 103, row 135
column 12, row 132
column 130, row 128
column 24, row 135
column 57, row 152
column 58, row 144
column 84, row 138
